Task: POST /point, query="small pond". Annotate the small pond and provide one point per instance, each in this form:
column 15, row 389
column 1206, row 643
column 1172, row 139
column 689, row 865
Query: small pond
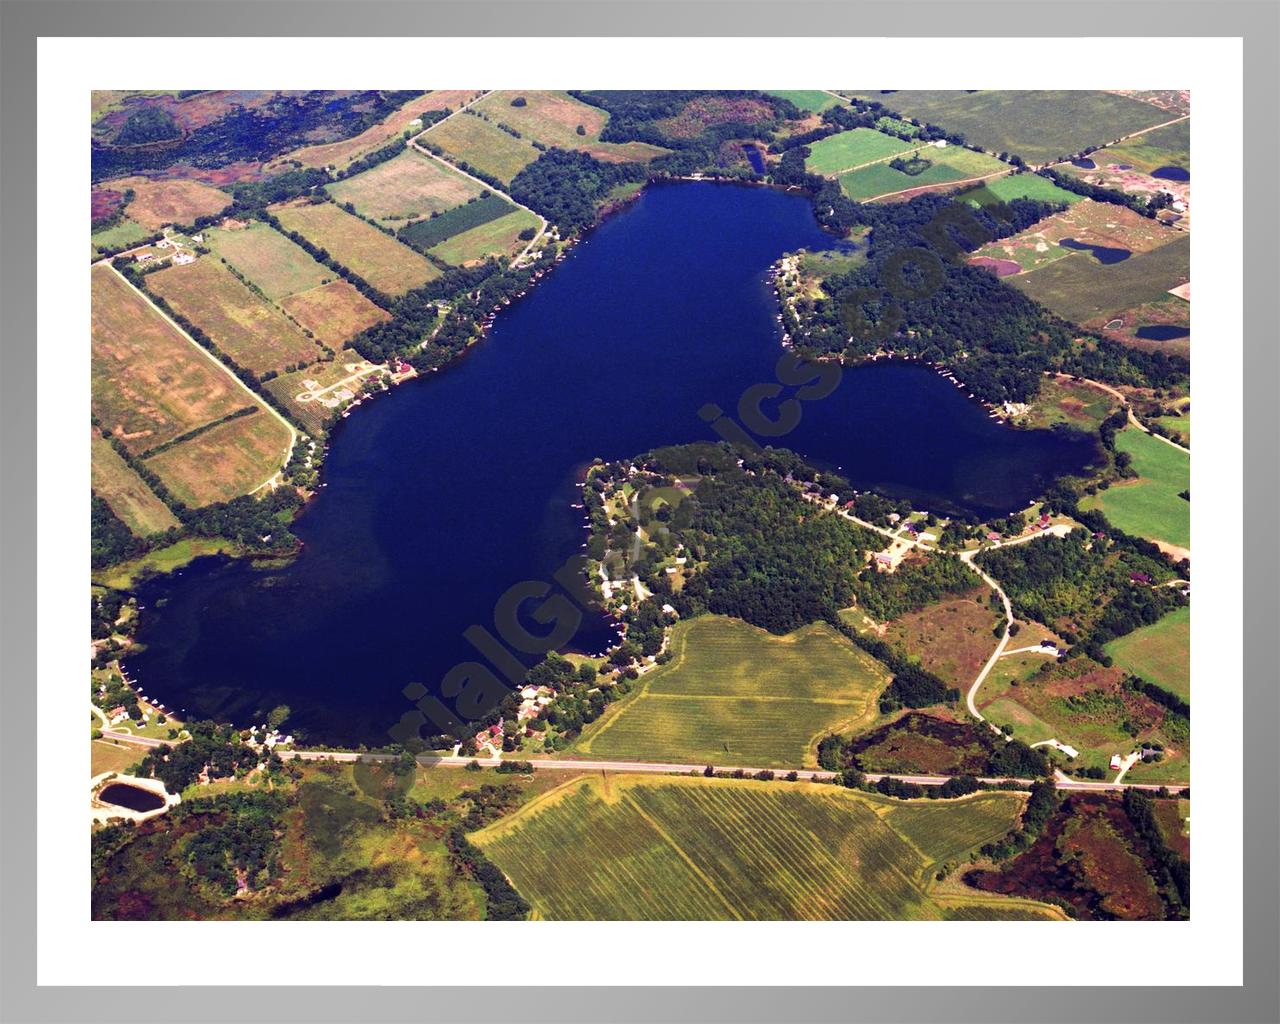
column 1102, row 253
column 1162, row 332
column 1172, row 173
column 133, row 797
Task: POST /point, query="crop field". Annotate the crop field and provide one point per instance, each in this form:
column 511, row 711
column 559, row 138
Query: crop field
column 635, row 848
column 495, row 238
column 952, row 164
column 1149, row 506
column 483, row 145
column 951, row 638
column 335, row 312
column 734, row 694
column 150, row 384
column 978, row 819
column 814, row 100
column 423, row 234
column 127, row 493
column 123, row 233
column 272, row 262
column 1159, row 653
column 179, row 201
column 1029, row 186
column 342, row 154
column 1169, row 146
column 1041, row 126
column 853, row 148
column 251, row 332
column 404, row 188
column 1079, row 288
column 386, row 264
column 225, row 461
column 553, row 118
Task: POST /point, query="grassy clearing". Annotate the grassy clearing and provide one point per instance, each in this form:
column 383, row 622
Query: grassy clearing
column 150, row 384
column 123, row 233
column 1039, row 125
column 947, row 165
column 268, row 259
column 813, row 100
column 379, row 259
column 952, row 639
column 1079, row 288
column 1074, row 404
column 108, row 756
column 251, row 332
column 179, row 201
column 483, row 145
column 495, row 238
column 127, row 493
column 404, row 188
column 550, row 117
column 335, row 312
column 1029, row 186
column 1159, row 653
column 636, row 848
column 1169, row 146
column 1149, row 506
column 733, row 693
column 853, row 148
column 226, row 461
column 164, row 560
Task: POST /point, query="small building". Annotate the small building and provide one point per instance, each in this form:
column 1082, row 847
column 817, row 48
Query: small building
column 1140, row 577
column 993, row 535
column 1117, row 762
column 1069, row 750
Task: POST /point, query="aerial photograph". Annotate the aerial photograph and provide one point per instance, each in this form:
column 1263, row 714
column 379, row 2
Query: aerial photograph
column 595, row 505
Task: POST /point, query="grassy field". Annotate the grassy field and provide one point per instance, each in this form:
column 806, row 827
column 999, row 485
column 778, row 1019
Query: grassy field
column 553, row 118
column 127, row 493
column 637, row 848
column 483, row 145
column 379, row 259
column 404, row 188
column 952, row 638
column 179, row 201
column 1079, row 288
column 225, row 461
column 254, row 334
column 164, row 560
column 1167, row 146
column 123, row 233
column 423, row 234
column 1149, row 506
column 268, row 259
column 853, row 148
column 150, row 384
column 1159, row 653
column 1029, row 186
column 951, row 164
column 1066, row 401
column 814, row 100
column 106, row 756
column 734, row 694
column 335, row 312
column 1039, row 125
column 495, row 238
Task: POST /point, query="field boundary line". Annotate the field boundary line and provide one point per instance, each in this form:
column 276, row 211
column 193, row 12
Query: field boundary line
column 258, row 399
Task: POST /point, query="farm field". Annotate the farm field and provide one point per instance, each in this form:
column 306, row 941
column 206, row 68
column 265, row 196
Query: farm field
column 386, row 264
column 734, row 694
column 1159, row 653
column 1029, row 186
column 423, row 234
column 1149, row 506
column 1079, row 288
column 1169, row 146
column 636, row 848
column 225, row 461
column 406, row 187
column 269, row 260
column 853, row 148
column 127, row 493
column 952, row 164
column 1041, row 126
column 952, row 638
column 150, row 384
column 483, row 145
column 342, row 154
column 335, row 312
column 815, row 100
column 550, row 117
column 244, row 327
column 120, row 235
column 176, row 201
column 494, row 238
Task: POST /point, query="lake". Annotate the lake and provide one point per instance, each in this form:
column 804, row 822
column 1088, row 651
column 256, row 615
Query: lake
column 445, row 492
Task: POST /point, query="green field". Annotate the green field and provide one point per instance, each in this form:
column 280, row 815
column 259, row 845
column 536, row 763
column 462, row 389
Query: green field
column 494, row 238
column 482, row 145
column 1039, row 125
column 1150, row 506
column 853, row 148
column 423, row 234
column 1079, row 288
column 1025, row 186
column 670, row 848
column 272, row 262
column 815, row 100
column 1167, row 146
column 164, row 560
column 123, row 233
column 734, row 694
column 951, row 164
column 1159, row 653
column 127, row 493
column 406, row 187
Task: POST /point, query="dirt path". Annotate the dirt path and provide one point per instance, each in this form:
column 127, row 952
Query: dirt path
column 1133, row 420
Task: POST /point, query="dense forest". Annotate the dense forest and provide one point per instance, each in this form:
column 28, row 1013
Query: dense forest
column 567, row 187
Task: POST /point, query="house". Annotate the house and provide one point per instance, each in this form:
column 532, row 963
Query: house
column 1048, row 645
column 1140, row 577
column 1043, row 522
column 1070, row 751
column 1117, row 762
column 993, row 535
column 529, row 692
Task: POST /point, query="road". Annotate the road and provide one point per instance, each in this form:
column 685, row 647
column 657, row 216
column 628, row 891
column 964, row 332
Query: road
column 542, row 221
column 1133, row 420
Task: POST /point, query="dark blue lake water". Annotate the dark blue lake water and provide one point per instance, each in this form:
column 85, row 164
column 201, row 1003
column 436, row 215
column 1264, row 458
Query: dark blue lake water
column 1162, row 332
column 1102, row 253
column 1172, row 173
column 442, row 494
